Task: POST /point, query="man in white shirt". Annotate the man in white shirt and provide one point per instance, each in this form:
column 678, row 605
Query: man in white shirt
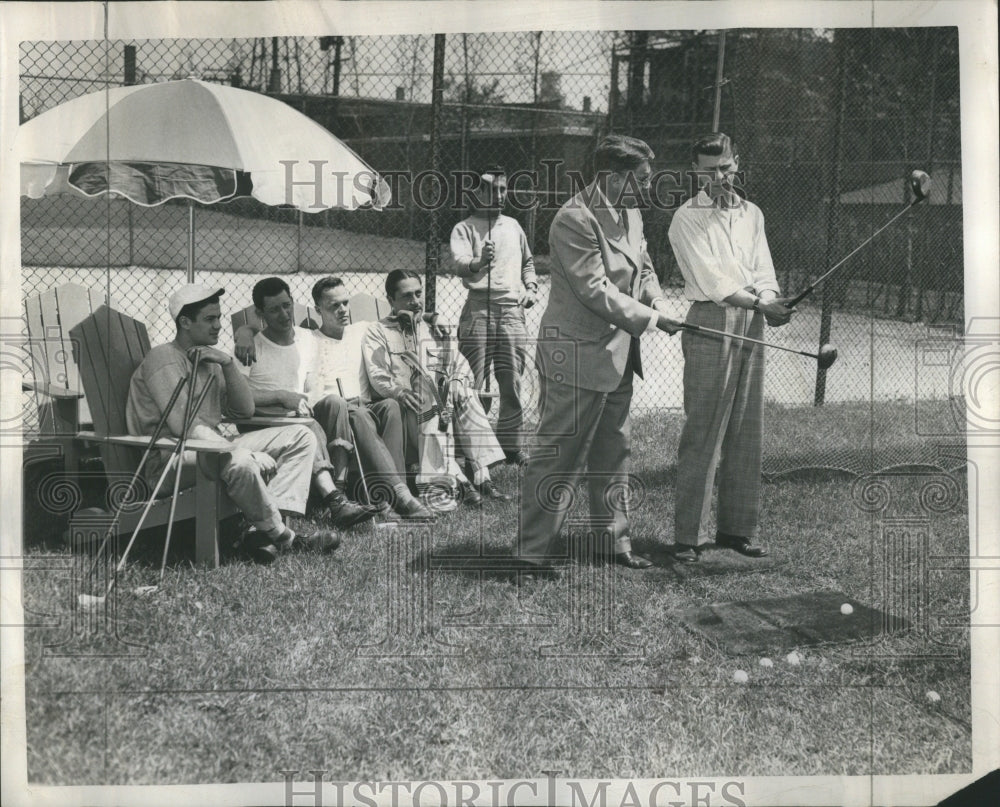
column 282, row 354
column 335, row 355
column 719, row 241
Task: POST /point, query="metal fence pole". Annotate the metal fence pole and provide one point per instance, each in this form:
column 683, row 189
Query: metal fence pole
column 832, row 220
column 433, row 254
column 190, row 244
column 720, row 67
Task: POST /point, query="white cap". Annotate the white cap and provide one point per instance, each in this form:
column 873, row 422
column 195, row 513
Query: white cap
column 191, row 293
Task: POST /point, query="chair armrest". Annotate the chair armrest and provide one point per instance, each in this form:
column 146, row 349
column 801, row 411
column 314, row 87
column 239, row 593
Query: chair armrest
column 51, row 390
column 266, row 420
column 138, row 441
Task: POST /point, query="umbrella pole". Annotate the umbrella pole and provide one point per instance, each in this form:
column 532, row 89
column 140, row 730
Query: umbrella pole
column 190, row 245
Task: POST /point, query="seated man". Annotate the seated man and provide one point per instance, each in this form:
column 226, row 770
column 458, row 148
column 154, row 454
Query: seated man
column 405, row 363
column 377, row 426
column 282, row 353
column 268, row 472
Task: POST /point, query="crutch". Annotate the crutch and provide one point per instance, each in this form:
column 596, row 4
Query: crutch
column 112, row 528
column 189, row 415
column 88, row 599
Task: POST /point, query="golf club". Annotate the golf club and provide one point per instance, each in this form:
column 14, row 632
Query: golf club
column 486, row 392
column 189, row 415
column 379, row 524
column 827, row 353
column 920, row 185
column 125, row 500
column 174, row 459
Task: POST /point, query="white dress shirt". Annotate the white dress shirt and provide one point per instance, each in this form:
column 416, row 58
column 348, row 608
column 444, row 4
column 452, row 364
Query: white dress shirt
column 721, row 250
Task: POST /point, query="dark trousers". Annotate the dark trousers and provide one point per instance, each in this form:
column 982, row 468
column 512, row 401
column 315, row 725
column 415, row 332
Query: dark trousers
column 377, row 431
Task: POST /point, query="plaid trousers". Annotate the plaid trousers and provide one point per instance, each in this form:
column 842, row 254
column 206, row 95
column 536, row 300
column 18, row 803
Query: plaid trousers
column 723, row 397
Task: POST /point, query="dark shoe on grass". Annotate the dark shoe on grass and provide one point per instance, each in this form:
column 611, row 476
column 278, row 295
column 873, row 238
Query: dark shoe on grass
column 258, row 546
column 412, row 509
column 685, row 553
column 344, row 513
column 469, row 495
column 519, row 457
column 490, row 491
column 318, row 541
column 627, row 559
column 739, row 543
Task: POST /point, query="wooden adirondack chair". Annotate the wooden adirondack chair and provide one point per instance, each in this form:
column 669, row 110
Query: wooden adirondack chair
column 62, row 407
column 366, row 308
column 110, row 345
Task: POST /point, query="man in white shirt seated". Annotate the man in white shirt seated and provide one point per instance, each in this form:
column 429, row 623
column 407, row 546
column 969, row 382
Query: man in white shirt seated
column 377, row 426
column 277, row 377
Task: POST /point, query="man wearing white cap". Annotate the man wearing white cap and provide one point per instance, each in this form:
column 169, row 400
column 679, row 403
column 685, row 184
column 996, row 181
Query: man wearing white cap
column 269, row 472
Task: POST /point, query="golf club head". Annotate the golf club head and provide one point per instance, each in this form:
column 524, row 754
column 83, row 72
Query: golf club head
column 920, row 184
column 827, row 355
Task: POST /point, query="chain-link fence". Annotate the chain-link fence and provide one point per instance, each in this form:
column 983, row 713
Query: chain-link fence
column 828, row 125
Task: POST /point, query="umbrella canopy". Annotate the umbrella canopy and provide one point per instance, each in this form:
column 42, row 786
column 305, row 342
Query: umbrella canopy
column 196, row 140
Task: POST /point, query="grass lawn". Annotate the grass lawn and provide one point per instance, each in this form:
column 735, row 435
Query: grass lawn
column 381, row 663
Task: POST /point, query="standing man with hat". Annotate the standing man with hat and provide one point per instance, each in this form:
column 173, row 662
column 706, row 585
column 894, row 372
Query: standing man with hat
column 491, row 255
column 604, row 296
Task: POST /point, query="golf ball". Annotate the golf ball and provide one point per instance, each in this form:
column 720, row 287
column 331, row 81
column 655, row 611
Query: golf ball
column 766, row 662
column 793, row 658
column 846, row 609
column 740, row 677
column 933, row 697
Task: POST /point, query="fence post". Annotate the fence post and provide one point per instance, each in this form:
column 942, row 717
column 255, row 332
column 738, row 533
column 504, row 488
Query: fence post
column 720, row 67
column 433, row 254
column 298, row 241
column 833, row 211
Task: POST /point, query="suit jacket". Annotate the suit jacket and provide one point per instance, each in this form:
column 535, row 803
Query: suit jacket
column 595, row 308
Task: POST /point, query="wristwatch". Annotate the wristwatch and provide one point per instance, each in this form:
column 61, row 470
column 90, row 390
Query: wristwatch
column 756, row 304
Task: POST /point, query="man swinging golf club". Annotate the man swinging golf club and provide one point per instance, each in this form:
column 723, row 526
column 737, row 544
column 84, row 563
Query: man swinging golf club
column 719, row 241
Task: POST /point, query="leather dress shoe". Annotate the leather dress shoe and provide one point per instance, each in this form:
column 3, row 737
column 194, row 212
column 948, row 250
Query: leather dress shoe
column 344, row 513
column 469, row 495
column 490, row 491
column 318, row 541
column 413, row 509
column 741, row 544
column 685, row 553
column 629, row 560
column 519, row 457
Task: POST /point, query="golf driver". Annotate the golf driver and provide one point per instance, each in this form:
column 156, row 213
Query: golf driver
column 827, row 353
column 920, row 185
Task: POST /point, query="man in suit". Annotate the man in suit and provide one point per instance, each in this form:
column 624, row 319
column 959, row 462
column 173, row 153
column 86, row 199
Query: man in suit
column 604, row 296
